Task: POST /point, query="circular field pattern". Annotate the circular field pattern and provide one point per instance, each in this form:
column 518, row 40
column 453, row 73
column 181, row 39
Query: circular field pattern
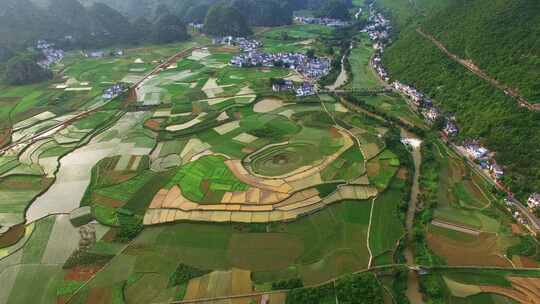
column 283, row 159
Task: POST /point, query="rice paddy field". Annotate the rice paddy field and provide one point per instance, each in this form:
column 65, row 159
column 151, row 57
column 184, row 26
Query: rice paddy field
column 212, row 185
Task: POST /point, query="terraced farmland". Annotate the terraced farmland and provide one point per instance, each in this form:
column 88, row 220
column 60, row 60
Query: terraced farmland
column 206, row 184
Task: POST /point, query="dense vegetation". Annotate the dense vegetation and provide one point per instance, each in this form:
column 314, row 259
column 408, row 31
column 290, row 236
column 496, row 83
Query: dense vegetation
column 23, row 69
column 223, row 20
column 501, row 37
column 352, row 289
column 265, row 12
column 337, row 9
column 481, row 111
column 169, row 28
column 183, row 273
column 71, row 25
column 428, row 199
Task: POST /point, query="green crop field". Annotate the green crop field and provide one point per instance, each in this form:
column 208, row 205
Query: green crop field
column 394, row 106
column 125, row 191
column 363, row 77
column 326, row 244
column 42, row 279
column 386, row 226
column 349, row 166
column 208, row 176
column 34, row 249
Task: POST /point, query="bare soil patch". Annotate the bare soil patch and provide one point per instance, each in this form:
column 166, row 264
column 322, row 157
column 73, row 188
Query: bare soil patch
column 482, row 251
column 516, row 229
column 153, row 124
column 373, row 168
column 5, row 136
column 403, row 174
column 81, row 273
column 12, row 236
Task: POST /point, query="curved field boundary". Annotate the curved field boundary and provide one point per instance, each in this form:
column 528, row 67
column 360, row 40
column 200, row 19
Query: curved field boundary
column 226, row 213
column 304, row 170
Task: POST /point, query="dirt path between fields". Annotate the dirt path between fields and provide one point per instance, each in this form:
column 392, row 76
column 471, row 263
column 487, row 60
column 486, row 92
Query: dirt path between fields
column 469, row 65
column 455, row 227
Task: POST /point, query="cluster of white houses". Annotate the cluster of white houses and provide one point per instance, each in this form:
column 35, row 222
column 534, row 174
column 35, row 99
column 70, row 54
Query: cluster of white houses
column 101, row 53
column 312, row 68
column 244, row 44
column 378, row 27
column 518, row 216
column 51, row 55
column 321, row 21
column 114, row 91
column 301, row 90
column 534, row 201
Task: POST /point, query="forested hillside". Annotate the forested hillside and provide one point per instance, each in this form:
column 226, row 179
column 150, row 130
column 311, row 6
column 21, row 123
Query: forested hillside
column 502, row 37
column 482, row 111
column 405, row 13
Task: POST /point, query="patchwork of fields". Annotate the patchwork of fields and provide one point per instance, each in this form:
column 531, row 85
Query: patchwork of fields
column 211, row 185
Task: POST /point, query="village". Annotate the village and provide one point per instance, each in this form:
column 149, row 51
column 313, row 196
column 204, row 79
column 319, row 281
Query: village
column 311, row 68
column 321, row 21
column 114, row 91
column 378, row 30
column 51, row 56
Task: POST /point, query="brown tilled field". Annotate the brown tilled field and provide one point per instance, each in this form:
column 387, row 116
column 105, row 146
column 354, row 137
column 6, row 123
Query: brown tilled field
column 81, row 273
column 525, row 290
column 13, row 235
column 153, row 124
column 5, row 136
column 482, row 251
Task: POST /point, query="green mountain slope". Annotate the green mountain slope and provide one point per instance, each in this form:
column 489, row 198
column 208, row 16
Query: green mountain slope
column 502, row 37
column 481, row 110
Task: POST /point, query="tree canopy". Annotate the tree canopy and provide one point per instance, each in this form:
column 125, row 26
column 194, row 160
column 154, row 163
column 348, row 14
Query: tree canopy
column 23, row 69
column 169, row 28
column 337, row 9
column 265, row 12
column 224, row 20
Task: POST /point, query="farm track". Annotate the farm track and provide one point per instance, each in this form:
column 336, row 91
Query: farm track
column 469, row 65
column 455, row 227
